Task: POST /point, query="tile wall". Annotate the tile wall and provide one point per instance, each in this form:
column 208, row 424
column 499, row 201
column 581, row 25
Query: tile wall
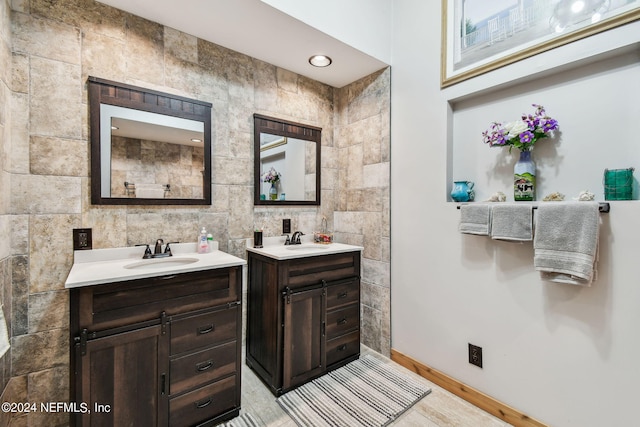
column 52, row 48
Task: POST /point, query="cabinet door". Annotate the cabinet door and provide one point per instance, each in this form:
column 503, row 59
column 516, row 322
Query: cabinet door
column 124, row 374
column 304, row 338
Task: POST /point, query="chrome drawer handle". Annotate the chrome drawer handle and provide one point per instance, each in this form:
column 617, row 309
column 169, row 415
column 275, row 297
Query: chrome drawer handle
column 342, row 321
column 204, row 403
column 203, row 366
column 204, row 329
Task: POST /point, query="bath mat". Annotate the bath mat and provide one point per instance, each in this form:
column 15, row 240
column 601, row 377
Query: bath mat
column 367, row 392
column 244, row 420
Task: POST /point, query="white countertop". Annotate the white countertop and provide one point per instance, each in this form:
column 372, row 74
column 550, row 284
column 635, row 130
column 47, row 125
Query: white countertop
column 98, row 266
column 275, row 248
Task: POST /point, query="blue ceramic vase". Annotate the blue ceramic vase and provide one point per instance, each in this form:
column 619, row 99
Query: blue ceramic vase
column 462, row 191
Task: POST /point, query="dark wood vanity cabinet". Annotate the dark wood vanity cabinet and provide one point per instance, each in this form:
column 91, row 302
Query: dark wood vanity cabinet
column 161, row 351
column 303, row 317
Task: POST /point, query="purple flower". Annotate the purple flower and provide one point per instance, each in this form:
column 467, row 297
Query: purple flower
column 522, row 133
column 526, row 137
column 549, row 124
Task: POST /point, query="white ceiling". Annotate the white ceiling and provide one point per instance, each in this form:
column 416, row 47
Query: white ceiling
column 260, row 31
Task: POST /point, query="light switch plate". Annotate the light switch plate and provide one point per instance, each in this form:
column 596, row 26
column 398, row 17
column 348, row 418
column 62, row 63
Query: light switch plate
column 286, row 226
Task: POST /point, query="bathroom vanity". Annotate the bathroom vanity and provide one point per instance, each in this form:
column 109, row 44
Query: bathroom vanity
column 155, row 342
column 303, row 311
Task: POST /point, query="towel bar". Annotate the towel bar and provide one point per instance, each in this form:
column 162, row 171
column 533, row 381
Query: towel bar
column 603, row 207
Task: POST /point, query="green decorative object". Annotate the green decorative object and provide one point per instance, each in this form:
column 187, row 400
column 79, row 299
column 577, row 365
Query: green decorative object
column 618, row 184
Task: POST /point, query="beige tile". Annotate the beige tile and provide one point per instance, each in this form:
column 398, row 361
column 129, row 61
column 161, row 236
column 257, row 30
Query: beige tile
column 17, row 158
column 181, row 45
column 144, row 51
column 58, row 156
column 48, row 310
column 102, row 56
column 50, row 385
column 39, row 351
column 376, row 272
column 50, row 252
column 51, row 82
column 46, row 38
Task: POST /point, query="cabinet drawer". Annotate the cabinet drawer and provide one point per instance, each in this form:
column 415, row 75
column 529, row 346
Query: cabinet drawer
column 203, row 330
column 119, row 304
column 343, row 320
column 202, row 367
column 342, row 347
column 343, row 294
column 203, row 404
column 313, row 270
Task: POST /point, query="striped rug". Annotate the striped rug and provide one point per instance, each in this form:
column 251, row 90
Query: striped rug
column 367, row 392
column 244, row 420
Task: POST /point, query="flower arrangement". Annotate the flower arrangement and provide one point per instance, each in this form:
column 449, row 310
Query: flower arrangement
column 522, row 133
column 271, row 176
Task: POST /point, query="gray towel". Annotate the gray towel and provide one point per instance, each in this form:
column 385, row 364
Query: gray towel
column 566, row 241
column 512, row 222
column 475, row 219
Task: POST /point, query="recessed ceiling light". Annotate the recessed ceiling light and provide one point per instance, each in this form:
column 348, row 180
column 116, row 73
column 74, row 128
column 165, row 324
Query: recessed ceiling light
column 114, row 127
column 196, row 140
column 320, row 61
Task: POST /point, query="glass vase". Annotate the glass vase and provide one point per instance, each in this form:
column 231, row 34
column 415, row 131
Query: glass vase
column 524, row 178
column 273, row 192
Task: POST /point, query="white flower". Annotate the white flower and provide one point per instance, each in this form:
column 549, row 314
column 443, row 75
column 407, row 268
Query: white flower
column 516, row 128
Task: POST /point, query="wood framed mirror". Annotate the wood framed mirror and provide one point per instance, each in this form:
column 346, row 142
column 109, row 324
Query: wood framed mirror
column 148, row 147
column 286, row 162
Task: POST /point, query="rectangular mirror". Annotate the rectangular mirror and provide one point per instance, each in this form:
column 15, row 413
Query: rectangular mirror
column 287, row 162
column 148, row 147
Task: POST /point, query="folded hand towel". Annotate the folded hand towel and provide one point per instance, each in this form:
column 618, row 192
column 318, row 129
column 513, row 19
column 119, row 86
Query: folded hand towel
column 512, row 222
column 475, row 219
column 4, row 335
column 566, row 241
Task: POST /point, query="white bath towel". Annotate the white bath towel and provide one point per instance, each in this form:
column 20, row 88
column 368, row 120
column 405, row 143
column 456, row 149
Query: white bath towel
column 475, row 219
column 566, row 241
column 4, row 335
column 512, row 222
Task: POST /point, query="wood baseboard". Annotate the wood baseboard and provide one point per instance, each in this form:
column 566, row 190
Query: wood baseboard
column 471, row 395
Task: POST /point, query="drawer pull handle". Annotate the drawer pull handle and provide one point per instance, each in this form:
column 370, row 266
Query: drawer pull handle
column 203, row 366
column 342, row 321
column 204, row 329
column 343, row 347
column 342, row 295
column 204, row 403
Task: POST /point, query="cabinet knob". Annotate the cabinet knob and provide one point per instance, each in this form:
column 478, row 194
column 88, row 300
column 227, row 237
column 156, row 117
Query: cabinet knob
column 342, row 321
column 342, row 295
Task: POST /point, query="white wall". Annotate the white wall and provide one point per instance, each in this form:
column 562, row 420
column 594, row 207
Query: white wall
column 362, row 24
column 564, row 355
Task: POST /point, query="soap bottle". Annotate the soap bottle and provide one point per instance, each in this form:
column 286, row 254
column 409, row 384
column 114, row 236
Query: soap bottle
column 203, row 246
column 210, row 242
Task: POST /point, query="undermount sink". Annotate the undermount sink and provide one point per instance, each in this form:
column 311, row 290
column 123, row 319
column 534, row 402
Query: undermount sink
column 307, row 247
column 152, row 264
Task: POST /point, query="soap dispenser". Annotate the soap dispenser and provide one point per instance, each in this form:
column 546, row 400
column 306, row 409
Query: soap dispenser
column 203, row 245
